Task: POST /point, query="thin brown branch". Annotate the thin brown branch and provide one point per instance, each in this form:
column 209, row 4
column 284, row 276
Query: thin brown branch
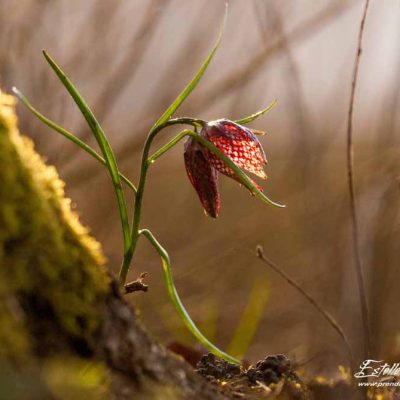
column 138, row 285
column 353, row 208
column 328, row 317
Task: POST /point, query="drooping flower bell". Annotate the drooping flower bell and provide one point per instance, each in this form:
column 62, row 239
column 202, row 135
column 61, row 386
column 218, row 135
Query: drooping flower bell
column 235, row 141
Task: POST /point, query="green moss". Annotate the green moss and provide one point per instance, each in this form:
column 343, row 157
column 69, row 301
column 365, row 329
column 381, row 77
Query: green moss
column 47, row 258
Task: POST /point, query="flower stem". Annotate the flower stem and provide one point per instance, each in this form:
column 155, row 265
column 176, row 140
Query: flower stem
column 126, row 262
column 145, row 163
column 178, row 303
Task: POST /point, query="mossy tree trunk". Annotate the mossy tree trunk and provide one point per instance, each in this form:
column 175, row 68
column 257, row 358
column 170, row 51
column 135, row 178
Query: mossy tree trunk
column 66, row 332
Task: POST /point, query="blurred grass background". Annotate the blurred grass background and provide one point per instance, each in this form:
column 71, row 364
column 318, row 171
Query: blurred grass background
column 130, row 59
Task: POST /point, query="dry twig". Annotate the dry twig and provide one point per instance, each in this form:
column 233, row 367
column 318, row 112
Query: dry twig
column 137, row 285
column 332, row 321
column 353, row 209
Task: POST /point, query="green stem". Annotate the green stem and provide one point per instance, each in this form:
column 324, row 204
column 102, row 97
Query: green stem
column 145, row 163
column 125, row 266
column 70, row 136
column 169, row 282
column 195, row 122
column 139, row 200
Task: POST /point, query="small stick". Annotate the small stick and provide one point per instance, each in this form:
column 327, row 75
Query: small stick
column 353, row 209
column 137, row 285
column 334, row 324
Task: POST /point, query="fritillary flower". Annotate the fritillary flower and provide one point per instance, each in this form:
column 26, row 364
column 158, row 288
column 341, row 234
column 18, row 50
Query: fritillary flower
column 238, row 143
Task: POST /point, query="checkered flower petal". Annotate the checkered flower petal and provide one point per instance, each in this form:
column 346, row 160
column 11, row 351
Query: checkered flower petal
column 203, row 176
column 237, row 142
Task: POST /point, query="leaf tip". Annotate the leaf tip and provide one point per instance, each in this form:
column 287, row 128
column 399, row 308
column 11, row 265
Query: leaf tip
column 47, row 56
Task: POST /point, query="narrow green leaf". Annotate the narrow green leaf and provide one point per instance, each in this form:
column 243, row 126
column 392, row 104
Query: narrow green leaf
column 103, row 143
column 193, row 83
column 252, row 117
column 180, row 308
column 169, row 145
column 70, row 136
column 243, row 177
